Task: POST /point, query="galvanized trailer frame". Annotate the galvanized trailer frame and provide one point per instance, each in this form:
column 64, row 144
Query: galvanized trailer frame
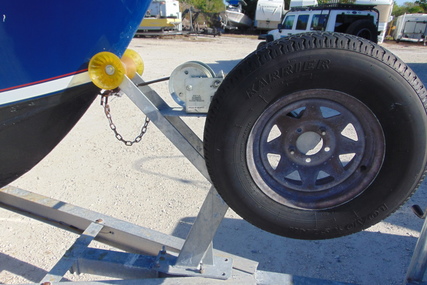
column 151, row 256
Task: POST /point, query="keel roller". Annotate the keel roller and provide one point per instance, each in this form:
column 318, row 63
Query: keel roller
column 106, row 70
column 133, row 59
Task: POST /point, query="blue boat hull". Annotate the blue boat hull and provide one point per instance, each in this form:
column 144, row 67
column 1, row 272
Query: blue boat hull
column 44, row 53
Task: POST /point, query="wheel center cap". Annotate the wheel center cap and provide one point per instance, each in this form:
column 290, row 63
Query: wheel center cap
column 309, row 143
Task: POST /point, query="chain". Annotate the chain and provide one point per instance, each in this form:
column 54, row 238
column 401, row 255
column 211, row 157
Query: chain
column 107, row 111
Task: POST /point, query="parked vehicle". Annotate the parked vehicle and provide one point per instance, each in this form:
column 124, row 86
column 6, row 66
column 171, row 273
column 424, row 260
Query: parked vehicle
column 411, row 27
column 359, row 20
column 385, row 7
column 162, row 15
column 268, row 14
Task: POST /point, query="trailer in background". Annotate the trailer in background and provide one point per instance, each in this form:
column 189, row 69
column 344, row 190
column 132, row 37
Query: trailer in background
column 411, row 27
column 268, row 14
column 162, row 15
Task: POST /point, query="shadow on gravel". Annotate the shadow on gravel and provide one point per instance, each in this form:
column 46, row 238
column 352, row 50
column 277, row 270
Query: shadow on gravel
column 149, row 165
column 421, row 70
column 21, row 268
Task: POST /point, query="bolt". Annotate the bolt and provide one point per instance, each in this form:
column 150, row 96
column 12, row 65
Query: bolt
column 110, row 70
column 163, row 251
column 189, row 87
column 216, row 84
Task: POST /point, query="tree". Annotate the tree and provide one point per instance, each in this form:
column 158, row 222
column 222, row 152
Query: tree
column 422, row 4
column 409, row 8
column 207, row 6
column 397, row 10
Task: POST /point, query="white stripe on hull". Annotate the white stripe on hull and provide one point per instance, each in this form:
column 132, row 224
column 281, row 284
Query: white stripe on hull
column 41, row 89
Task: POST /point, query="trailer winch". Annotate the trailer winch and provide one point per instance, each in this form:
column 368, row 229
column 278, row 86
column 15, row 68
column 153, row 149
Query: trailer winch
column 193, row 85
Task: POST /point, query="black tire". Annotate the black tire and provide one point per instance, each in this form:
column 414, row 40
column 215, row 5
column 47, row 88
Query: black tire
column 365, row 29
column 311, row 87
column 261, row 45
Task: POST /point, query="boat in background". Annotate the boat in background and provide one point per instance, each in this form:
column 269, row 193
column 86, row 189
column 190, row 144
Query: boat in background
column 44, row 83
column 234, row 18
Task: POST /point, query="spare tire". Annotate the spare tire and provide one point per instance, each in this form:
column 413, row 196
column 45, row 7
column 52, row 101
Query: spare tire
column 261, row 44
column 365, row 29
column 317, row 136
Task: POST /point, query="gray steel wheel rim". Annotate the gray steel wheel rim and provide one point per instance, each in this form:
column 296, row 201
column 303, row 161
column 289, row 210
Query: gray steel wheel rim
column 302, row 153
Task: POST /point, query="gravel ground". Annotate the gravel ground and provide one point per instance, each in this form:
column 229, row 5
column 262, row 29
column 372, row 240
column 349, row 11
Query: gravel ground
column 153, row 185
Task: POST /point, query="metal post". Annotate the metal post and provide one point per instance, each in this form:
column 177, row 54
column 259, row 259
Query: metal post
column 418, row 264
column 203, row 230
